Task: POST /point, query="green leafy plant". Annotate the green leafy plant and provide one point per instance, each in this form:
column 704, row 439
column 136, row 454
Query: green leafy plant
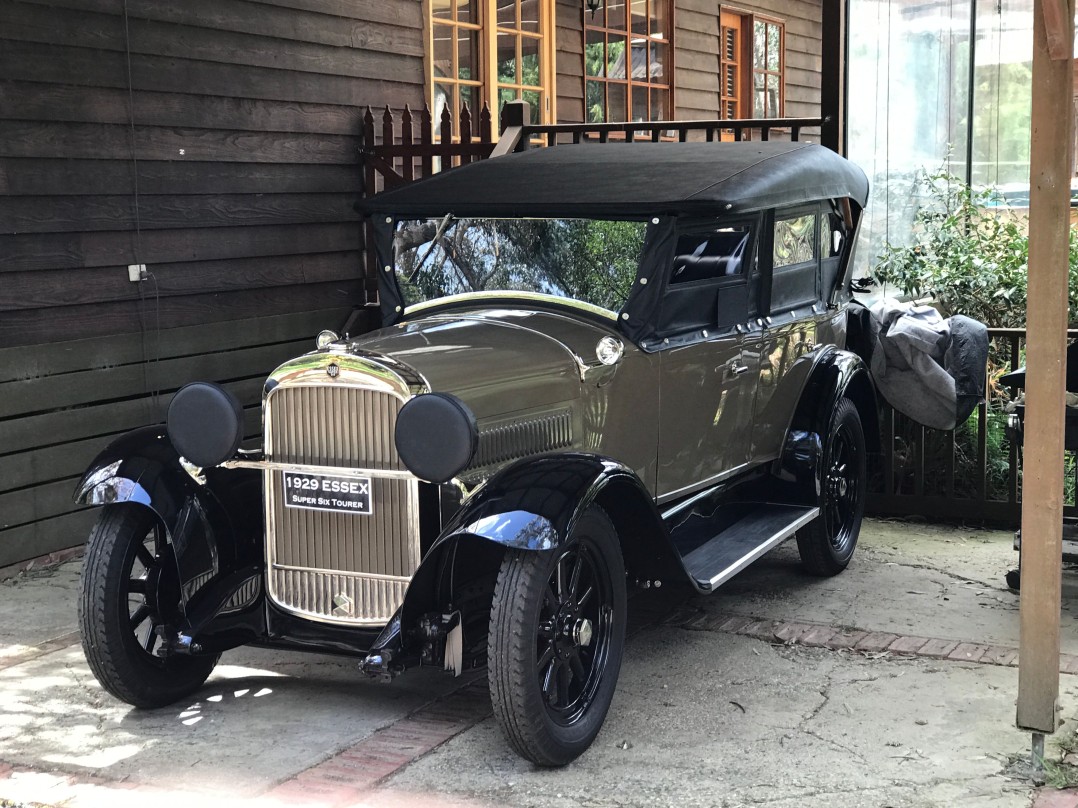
column 967, row 253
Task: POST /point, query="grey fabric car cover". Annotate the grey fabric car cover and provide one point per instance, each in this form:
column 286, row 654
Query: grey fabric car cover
column 928, row 368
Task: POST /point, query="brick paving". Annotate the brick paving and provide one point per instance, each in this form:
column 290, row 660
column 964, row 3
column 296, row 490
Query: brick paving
column 55, row 644
column 855, row 640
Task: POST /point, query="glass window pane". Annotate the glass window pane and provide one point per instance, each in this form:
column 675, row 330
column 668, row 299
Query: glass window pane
column 470, row 95
column 640, row 17
column 505, row 95
column 467, row 48
column 659, row 25
column 660, row 105
column 640, row 111
column 759, row 45
column 638, row 59
column 594, row 62
column 615, row 14
column 658, row 61
column 442, row 9
column 759, row 105
column 533, row 98
column 443, row 98
column 589, row 260
column 529, row 61
column 710, row 256
column 795, row 240
column 615, row 58
column 595, row 98
column 773, row 42
column 507, row 13
column 529, row 15
column 466, row 11
column 507, row 58
column 443, row 51
column 772, row 96
column 617, row 95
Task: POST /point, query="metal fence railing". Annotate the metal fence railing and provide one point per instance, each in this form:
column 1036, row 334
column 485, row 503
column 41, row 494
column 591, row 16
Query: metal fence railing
column 971, row 473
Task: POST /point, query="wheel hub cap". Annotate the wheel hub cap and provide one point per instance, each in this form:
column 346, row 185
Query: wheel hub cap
column 582, row 632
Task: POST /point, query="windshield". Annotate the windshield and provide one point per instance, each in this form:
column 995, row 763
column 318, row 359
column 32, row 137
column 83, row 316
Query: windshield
column 582, row 259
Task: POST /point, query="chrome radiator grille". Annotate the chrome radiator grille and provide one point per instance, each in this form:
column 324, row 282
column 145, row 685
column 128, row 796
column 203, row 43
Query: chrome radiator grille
column 339, row 567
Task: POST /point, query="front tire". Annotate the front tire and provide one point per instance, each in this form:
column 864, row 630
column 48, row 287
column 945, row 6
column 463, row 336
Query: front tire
column 129, row 587
column 554, row 649
column 827, row 543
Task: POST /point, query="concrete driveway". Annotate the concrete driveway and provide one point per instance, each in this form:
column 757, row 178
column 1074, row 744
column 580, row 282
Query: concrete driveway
column 892, row 684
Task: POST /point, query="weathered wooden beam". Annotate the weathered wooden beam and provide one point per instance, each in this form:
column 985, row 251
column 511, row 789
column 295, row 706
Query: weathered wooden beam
column 1058, row 20
column 1051, row 145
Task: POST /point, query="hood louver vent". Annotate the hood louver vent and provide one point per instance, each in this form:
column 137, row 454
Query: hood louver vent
column 513, row 440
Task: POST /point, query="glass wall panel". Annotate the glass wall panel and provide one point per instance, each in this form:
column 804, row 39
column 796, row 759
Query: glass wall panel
column 908, row 103
column 1003, row 85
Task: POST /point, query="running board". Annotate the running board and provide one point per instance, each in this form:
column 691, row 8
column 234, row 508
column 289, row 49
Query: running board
column 763, row 528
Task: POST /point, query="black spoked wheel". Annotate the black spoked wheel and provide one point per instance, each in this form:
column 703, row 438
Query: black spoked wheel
column 827, row 544
column 555, row 644
column 130, row 588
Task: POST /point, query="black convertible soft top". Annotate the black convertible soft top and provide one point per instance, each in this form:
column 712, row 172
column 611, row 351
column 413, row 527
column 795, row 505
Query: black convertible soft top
column 611, row 180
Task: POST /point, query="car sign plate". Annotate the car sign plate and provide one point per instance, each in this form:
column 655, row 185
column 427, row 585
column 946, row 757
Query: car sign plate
column 317, row 492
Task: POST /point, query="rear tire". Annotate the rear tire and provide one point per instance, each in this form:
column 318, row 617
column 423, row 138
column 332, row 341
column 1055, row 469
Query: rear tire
column 129, row 587
column 827, row 543
column 554, row 649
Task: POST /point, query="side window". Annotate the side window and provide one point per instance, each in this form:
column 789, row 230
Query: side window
column 709, row 279
column 795, row 260
column 832, row 235
column 712, row 255
column 795, row 240
column 832, row 243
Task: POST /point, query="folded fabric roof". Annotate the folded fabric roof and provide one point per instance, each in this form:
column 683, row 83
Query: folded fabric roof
column 631, row 180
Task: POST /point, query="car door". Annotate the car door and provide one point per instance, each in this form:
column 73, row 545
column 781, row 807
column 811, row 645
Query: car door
column 707, row 379
column 791, row 306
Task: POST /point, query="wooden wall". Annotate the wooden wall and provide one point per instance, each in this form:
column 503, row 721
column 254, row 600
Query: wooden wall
column 696, row 54
column 570, row 60
column 215, row 142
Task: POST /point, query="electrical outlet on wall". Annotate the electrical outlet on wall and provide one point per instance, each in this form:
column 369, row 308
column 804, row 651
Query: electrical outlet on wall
column 136, row 272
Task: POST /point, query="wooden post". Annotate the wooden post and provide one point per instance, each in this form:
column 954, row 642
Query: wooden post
column 1051, row 144
column 833, row 76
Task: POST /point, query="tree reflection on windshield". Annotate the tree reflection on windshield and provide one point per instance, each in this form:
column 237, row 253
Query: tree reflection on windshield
column 583, row 259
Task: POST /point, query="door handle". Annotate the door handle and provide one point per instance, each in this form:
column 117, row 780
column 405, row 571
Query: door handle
column 739, row 369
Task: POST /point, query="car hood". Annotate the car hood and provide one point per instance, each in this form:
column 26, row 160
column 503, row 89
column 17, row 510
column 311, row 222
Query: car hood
column 496, row 361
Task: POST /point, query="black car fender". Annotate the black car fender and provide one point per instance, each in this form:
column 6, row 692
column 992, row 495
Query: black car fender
column 533, row 505
column 213, row 526
column 835, row 374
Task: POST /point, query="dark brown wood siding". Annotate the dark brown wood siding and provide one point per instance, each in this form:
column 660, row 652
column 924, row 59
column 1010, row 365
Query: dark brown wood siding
column 696, row 54
column 215, row 142
column 570, row 54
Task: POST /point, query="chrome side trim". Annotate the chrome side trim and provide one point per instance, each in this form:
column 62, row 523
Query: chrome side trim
column 328, row 471
column 759, row 550
column 536, row 297
column 710, row 481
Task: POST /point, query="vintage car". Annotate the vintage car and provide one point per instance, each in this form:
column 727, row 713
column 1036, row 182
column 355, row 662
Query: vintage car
column 602, row 367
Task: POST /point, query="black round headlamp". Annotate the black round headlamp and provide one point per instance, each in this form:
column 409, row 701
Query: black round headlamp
column 205, row 423
column 436, row 436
